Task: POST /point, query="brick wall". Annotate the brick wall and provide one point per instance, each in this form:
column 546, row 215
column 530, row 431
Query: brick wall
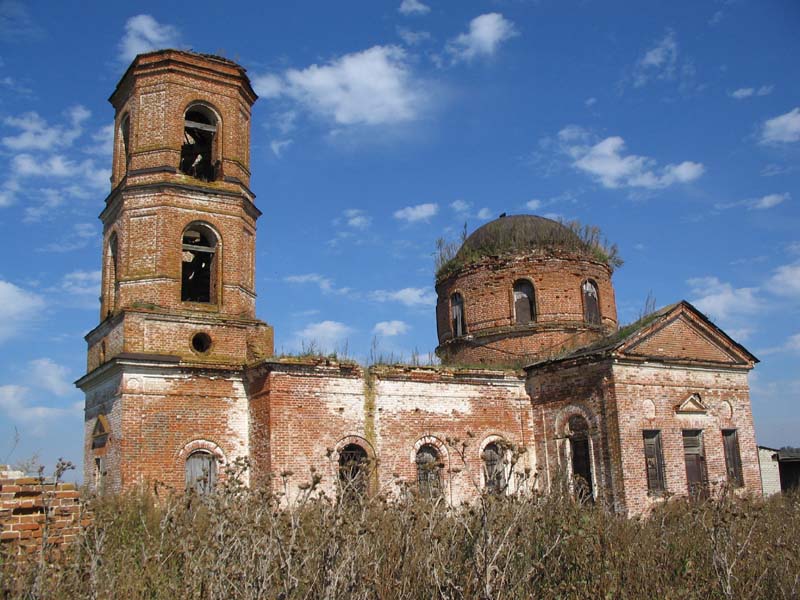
column 158, row 415
column 487, row 289
column 648, row 397
column 559, row 392
column 31, row 509
column 313, row 410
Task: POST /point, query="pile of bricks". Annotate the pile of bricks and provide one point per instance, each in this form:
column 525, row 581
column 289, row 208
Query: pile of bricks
column 33, row 510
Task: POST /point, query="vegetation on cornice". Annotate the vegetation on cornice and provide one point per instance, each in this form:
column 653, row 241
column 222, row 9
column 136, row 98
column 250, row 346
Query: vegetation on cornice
column 573, row 237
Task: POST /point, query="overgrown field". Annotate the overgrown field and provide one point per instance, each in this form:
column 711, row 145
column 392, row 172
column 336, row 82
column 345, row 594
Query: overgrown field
column 240, row 544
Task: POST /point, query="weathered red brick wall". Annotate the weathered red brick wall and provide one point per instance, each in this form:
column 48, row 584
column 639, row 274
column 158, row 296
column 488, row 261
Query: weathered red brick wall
column 487, row 289
column 31, row 509
column 164, row 83
column 559, row 392
column 152, row 203
column 647, row 397
column 316, row 409
column 158, row 416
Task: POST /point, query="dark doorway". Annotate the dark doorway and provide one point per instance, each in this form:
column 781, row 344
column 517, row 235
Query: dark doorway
column 581, row 456
column 353, row 470
column 429, row 468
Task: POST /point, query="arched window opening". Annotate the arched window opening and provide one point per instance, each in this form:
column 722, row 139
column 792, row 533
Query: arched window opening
column 199, row 264
column 429, row 468
column 580, row 457
column 524, row 302
column 457, row 315
column 591, row 304
column 125, row 136
column 112, row 287
column 494, row 468
column 201, row 472
column 197, row 152
column 353, row 470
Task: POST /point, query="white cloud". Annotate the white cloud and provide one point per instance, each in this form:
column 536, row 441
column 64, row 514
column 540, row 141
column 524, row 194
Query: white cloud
column 658, row 63
column 325, row 334
column 461, row 207
column 49, row 375
column 771, row 170
column 412, row 297
column 590, row 101
column 57, row 166
column 533, row 204
column 607, row 163
column 325, row 284
column 18, row 308
column 268, row 85
column 82, row 283
column 762, row 203
column 769, row 201
column 486, row 33
column 785, row 281
column 412, row 38
column 81, row 235
column 284, row 121
column 144, row 34
column 484, row 214
column 372, row 87
column 277, row 146
column 8, row 193
column 413, row 7
column 37, row 134
column 103, row 140
column 390, row 328
column 720, row 300
column 356, row 219
column 784, row 128
column 420, row 212
column 15, row 402
column 792, row 344
column 742, row 93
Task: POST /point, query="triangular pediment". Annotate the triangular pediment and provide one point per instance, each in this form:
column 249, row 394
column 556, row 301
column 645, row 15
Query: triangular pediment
column 685, row 335
column 693, row 405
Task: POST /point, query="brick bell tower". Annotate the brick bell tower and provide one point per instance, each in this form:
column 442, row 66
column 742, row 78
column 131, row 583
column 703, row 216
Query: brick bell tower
column 164, row 384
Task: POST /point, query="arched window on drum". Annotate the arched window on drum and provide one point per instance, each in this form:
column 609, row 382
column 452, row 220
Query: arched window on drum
column 524, row 302
column 591, row 302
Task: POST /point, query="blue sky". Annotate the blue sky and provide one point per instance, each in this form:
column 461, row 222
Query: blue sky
column 674, row 126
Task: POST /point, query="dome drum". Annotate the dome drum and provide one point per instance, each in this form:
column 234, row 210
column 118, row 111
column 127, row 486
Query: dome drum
column 523, row 304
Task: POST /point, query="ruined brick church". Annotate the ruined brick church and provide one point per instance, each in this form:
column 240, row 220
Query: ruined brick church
column 181, row 378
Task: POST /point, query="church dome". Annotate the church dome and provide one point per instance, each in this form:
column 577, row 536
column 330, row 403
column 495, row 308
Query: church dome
column 518, row 233
column 521, row 288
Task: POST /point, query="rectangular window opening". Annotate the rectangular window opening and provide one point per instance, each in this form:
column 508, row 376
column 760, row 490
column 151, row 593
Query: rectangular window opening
column 695, row 459
column 733, row 458
column 654, row 462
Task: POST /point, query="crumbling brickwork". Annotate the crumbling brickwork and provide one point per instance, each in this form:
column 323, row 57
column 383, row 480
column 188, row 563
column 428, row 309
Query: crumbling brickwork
column 33, row 511
column 315, row 409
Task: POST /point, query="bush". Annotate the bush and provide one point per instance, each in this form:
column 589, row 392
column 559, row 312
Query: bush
column 242, row 543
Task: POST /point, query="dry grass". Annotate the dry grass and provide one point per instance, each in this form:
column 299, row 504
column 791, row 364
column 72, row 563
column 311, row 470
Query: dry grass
column 247, row 544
